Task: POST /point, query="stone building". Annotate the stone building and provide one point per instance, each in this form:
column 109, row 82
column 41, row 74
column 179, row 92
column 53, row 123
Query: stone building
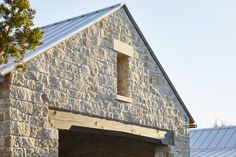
column 93, row 89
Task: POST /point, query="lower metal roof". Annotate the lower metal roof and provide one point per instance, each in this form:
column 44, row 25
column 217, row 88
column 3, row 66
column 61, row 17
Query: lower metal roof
column 213, row 142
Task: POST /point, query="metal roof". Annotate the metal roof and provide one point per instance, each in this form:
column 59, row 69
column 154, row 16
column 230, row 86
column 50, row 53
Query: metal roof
column 60, row 31
column 213, row 142
column 57, row 32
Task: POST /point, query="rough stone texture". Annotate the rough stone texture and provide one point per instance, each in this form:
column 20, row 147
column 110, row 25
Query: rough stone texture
column 23, row 128
column 80, row 75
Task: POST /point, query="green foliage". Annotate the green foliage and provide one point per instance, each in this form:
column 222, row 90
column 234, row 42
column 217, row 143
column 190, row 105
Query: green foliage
column 17, row 34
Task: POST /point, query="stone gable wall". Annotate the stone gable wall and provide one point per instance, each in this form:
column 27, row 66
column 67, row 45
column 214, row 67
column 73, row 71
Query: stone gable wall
column 79, row 75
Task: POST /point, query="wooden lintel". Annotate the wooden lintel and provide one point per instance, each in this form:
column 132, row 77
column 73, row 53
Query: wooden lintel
column 67, row 120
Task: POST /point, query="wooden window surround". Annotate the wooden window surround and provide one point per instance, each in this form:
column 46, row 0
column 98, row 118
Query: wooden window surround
column 124, row 52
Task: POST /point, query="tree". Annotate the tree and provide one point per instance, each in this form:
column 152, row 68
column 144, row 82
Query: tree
column 17, row 34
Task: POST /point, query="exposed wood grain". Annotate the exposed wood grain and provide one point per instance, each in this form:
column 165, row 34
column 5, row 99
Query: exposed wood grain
column 65, row 120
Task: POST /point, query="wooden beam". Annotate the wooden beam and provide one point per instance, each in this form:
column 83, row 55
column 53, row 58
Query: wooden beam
column 115, row 134
column 66, row 120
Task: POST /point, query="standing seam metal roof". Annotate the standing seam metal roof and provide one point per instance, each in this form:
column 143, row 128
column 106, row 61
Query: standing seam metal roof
column 60, row 31
column 213, row 142
column 57, row 32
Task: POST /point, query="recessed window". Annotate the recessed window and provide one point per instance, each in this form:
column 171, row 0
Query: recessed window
column 124, row 52
column 122, row 74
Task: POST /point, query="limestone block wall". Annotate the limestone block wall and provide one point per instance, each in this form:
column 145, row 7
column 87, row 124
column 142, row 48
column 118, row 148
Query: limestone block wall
column 24, row 130
column 80, row 75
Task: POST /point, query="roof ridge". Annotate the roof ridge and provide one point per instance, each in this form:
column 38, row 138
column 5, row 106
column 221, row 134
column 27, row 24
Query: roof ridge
column 86, row 14
column 220, row 128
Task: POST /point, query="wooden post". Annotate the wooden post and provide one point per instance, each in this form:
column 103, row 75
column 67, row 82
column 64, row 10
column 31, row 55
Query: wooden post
column 162, row 151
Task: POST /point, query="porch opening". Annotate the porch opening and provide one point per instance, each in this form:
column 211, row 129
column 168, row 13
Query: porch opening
column 83, row 142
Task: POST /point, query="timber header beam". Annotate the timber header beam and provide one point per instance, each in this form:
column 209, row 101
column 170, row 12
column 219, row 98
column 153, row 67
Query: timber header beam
column 68, row 121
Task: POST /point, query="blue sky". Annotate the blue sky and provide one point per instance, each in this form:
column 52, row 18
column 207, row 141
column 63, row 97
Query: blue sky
column 195, row 41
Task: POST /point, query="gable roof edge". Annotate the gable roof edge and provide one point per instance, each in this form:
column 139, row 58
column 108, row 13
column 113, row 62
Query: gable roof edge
column 5, row 69
column 158, row 63
column 10, row 66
